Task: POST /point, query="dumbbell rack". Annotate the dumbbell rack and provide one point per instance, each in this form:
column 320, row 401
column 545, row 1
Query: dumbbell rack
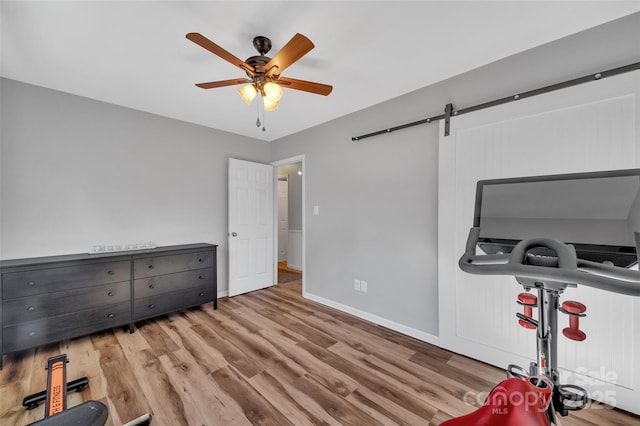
column 565, row 397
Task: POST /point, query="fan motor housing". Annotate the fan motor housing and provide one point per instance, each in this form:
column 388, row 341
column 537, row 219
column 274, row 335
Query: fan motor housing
column 258, row 63
column 262, row 44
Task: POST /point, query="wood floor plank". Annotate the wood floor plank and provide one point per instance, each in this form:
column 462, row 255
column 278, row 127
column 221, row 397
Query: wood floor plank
column 360, row 339
column 253, row 303
column 284, row 304
column 462, row 380
column 122, row 386
column 599, row 414
column 372, row 382
column 268, row 324
column 156, row 337
column 84, row 363
column 438, row 390
column 383, row 409
column 333, row 379
column 154, row 382
column 478, row 369
column 191, row 385
column 297, row 406
column 433, row 388
column 256, row 347
column 235, row 357
column 316, row 336
column 14, row 386
column 256, row 407
column 268, row 353
column 206, row 356
column 337, row 407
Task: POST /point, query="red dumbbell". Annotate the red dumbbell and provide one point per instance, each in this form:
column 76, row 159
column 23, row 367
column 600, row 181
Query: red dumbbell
column 529, row 301
column 575, row 310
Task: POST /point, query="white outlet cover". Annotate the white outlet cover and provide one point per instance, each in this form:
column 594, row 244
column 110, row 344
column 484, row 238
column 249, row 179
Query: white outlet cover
column 363, row 286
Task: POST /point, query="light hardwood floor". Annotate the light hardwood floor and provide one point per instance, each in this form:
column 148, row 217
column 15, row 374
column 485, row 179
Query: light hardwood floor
column 267, row 358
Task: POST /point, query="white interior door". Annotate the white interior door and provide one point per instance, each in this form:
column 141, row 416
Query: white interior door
column 283, row 218
column 584, row 128
column 250, row 226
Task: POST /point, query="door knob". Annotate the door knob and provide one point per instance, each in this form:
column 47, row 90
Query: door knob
column 234, row 234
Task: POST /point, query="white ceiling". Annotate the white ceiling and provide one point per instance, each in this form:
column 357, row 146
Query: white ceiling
column 135, row 54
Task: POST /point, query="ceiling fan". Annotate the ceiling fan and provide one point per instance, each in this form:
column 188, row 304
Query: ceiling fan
column 263, row 72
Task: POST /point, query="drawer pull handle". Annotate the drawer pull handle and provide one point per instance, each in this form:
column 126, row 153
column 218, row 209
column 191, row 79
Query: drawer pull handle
column 152, row 286
column 151, row 306
column 110, row 293
column 31, row 308
column 201, row 277
column 199, row 259
column 150, row 266
column 201, row 294
column 110, row 272
column 110, row 315
column 32, row 283
column 32, row 333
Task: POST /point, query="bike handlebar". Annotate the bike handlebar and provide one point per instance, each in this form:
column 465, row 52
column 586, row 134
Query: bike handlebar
column 570, row 269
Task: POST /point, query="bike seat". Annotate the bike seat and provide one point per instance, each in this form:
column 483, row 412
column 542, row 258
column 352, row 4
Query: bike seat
column 514, row 402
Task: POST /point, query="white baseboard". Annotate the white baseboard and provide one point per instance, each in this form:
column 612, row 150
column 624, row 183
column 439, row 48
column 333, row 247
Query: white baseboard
column 296, row 267
column 420, row 335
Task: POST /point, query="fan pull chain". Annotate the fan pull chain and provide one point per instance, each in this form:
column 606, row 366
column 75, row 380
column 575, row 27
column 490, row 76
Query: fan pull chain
column 258, row 123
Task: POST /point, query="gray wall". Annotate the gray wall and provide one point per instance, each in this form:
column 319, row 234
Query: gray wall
column 377, row 197
column 77, row 172
column 377, row 218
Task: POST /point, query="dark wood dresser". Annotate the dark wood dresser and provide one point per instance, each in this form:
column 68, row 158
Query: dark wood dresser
column 50, row 299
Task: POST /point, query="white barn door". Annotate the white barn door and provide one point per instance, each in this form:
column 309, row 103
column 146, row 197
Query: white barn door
column 250, row 226
column 590, row 127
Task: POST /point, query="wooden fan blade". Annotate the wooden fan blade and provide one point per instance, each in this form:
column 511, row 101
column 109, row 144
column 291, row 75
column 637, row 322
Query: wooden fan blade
column 222, row 83
column 295, row 49
column 307, row 86
column 204, row 42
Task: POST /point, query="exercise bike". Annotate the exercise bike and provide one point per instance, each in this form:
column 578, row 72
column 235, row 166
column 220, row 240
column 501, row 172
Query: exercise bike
column 546, row 267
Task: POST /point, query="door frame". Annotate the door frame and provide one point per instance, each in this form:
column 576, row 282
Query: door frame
column 291, row 160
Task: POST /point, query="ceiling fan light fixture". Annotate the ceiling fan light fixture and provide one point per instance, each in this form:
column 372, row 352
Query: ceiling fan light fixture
column 273, row 91
column 270, row 105
column 263, row 73
column 247, row 93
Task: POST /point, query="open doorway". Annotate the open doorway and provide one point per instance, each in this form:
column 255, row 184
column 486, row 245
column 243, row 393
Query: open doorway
column 289, row 222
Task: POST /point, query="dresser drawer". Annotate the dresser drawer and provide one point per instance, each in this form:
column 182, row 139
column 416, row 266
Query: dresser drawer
column 150, row 286
column 31, row 308
column 26, row 335
column 161, row 265
column 40, row 281
column 169, row 302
